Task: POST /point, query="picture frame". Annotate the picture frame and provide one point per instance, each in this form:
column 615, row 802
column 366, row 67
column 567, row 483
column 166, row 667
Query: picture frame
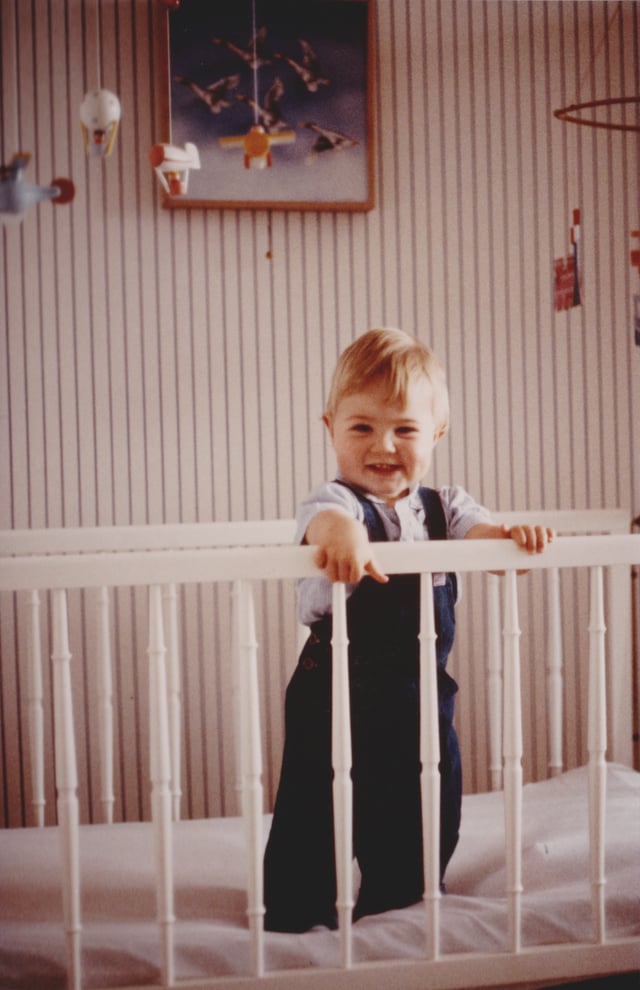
column 266, row 104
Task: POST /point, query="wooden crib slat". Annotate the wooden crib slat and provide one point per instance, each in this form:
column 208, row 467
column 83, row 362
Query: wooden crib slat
column 596, row 745
column 513, row 759
column 620, row 674
column 341, row 758
column 174, row 696
column 554, row 672
column 160, row 782
column 36, row 709
column 430, row 758
column 105, row 703
column 66, row 786
column 251, row 767
column 494, row 683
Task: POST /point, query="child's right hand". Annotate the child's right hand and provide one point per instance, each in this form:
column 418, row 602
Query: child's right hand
column 344, row 552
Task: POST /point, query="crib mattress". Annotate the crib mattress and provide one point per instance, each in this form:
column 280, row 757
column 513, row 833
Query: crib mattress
column 121, row 944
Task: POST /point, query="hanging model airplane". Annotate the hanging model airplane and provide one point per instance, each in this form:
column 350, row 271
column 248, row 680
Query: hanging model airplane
column 256, row 144
column 16, row 195
column 172, row 164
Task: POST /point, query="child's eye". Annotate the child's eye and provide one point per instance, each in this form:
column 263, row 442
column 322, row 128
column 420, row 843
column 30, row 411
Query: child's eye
column 406, row 430
column 361, row 428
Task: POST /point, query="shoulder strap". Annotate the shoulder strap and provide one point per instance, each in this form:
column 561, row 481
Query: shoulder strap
column 434, row 513
column 372, row 520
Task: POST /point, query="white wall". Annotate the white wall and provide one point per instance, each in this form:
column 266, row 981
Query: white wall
column 158, row 366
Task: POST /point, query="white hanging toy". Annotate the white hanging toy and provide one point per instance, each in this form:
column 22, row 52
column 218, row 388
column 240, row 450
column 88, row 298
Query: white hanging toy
column 172, row 164
column 100, row 114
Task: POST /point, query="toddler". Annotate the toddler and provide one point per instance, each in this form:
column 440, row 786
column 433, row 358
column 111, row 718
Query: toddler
column 387, row 409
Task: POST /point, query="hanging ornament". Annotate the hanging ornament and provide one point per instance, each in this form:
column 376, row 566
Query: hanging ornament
column 568, row 272
column 256, row 143
column 172, row 164
column 100, row 111
column 100, row 114
column 16, row 195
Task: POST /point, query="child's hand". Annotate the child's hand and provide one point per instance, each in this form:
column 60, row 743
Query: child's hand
column 533, row 539
column 344, row 552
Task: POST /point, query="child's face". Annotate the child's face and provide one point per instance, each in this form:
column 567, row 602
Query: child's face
column 385, row 448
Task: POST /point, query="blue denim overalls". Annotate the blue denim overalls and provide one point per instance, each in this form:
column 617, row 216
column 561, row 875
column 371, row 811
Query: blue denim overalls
column 299, row 865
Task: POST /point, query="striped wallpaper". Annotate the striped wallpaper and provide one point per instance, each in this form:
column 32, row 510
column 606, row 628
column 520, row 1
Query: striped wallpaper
column 171, row 365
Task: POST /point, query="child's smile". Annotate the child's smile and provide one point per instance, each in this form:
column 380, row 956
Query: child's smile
column 382, row 447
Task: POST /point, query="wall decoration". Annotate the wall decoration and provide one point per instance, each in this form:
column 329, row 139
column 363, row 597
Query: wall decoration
column 100, row 114
column 16, row 195
column 288, row 85
column 567, row 272
column 172, row 166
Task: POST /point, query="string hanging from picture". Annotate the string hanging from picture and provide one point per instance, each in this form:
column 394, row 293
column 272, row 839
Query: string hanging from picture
column 256, row 143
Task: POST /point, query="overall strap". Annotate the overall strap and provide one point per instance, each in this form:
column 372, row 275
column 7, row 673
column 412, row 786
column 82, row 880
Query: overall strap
column 372, row 520
column 434, row 513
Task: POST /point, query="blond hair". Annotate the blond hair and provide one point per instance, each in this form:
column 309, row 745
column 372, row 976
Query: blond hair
column 395, row 358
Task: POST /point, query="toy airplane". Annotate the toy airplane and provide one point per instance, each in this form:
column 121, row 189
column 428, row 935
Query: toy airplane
column 257, row 145
column 172, row 164
column 16, row 195
column 99, row 118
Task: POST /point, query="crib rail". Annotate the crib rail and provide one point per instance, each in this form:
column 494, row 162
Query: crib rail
column 243, row 566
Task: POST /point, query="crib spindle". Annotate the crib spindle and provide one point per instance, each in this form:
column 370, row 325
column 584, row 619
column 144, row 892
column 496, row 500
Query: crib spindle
column 251, row 767
column 160, row 782
column 105, row 704
column 513, row 759
column 494, row 683
column 174, row 696
column 36, row 709
column 430, row 758
column 341, row 758
column 66, row 785
column 597, row 744
column 554, row 672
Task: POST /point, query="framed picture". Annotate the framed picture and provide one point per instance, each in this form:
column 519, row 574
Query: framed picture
column 266, row 104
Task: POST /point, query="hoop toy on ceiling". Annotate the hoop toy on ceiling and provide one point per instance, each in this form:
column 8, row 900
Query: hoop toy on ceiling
column 569, row 113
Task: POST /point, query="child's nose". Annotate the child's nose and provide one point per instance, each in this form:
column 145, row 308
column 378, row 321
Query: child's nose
column 386, row 441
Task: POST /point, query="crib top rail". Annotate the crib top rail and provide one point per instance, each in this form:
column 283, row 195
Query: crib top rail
column 255, row 533
column 185, row 566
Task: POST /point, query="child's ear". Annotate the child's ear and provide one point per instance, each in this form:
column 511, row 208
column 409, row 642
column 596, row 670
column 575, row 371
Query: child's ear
column 438, row 435
column 327, row 422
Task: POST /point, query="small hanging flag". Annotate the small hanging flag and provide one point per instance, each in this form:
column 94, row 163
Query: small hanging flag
column 635, row 253
column 568, row 272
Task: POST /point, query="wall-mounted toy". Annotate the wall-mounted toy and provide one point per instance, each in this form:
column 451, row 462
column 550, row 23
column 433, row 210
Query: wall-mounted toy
column 16, row 195
column 172, row 165
column 100, row 114
column 256, row 144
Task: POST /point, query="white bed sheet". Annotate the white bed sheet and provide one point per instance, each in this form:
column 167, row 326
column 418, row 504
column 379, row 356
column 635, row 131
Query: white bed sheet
column 121, row 944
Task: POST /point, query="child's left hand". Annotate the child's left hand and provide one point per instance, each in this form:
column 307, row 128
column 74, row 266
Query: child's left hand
column 533, row 539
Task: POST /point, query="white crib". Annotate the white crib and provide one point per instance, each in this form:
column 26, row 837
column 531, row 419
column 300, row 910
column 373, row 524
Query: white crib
column 162, row 559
